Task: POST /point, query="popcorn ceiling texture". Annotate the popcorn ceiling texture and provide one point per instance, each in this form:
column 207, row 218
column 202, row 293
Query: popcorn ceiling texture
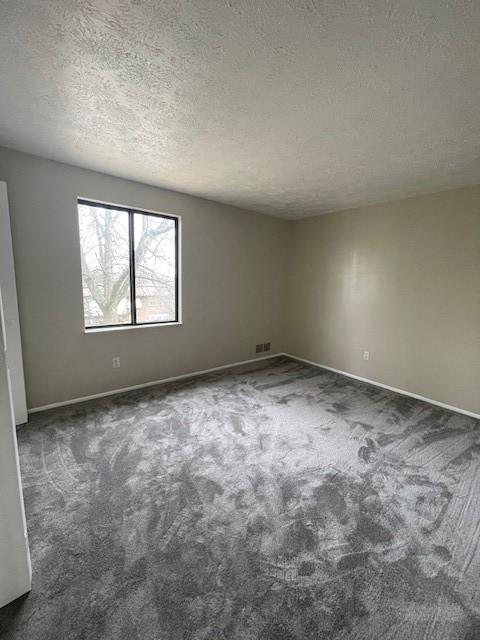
column 290, row 108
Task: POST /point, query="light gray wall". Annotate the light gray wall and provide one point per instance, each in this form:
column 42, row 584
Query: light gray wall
column 234, row 273
column 400, row 280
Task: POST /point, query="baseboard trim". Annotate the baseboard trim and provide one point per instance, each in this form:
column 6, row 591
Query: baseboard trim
column 194, row 374
column 183, row 376
column 471, row 414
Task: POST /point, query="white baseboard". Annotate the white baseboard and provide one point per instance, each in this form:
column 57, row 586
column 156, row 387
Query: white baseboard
column 193, row 374
column 387, row 386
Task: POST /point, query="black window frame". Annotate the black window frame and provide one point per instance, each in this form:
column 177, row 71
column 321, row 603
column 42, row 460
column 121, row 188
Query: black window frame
column 131, row 255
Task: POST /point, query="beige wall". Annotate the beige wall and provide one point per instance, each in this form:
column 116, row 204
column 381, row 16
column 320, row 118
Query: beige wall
column 401, row 280
column 234, row 273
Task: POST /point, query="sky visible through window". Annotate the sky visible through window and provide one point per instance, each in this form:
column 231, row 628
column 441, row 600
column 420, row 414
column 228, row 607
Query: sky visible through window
column 122, row 249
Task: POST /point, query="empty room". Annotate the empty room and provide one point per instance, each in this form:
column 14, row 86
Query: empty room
column 240, row 320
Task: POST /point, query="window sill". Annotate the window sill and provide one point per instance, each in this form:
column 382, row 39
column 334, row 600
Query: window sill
column 130, row 327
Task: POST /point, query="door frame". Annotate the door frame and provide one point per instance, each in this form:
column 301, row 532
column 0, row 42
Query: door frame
column 10, row 309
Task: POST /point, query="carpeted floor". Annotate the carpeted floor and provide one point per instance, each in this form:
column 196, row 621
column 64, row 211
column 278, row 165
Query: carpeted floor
column 275, row 502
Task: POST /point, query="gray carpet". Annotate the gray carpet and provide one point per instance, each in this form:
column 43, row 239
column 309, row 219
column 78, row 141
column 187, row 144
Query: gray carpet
column 276, row 502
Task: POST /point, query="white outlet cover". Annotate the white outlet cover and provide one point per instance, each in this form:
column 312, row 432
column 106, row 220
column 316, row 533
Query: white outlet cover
column 366, row 355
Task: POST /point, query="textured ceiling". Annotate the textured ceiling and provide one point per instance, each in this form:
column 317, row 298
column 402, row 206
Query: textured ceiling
column 288, row 108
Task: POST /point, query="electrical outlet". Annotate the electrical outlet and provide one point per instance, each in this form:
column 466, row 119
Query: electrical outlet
column 366, row 355
column 267, row 346
column 116, row 362
column 258, row 348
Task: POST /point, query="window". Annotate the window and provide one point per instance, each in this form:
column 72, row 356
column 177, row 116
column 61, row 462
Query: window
column 129, row 266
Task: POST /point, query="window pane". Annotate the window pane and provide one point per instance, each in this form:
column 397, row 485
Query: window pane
column 155, row 247
column 105, row 265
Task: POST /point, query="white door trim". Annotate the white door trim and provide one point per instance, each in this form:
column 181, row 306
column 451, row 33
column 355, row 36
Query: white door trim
column 10, row 308
column 15, row 567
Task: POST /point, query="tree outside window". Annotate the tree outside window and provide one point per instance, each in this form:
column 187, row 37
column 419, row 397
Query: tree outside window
column 129, row 266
